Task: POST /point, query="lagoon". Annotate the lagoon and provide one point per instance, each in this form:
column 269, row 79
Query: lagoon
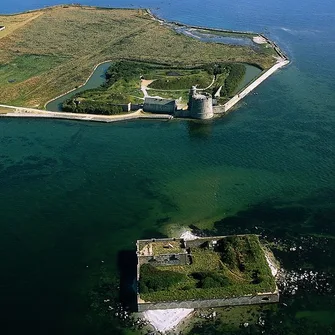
column 96, row 79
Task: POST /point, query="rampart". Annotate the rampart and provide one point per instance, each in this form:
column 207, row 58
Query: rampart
column 261, row 298
column 234, row 100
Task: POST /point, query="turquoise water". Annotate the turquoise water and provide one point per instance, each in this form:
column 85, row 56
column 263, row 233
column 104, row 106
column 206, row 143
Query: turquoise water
column 96, row 79
column 75, row 196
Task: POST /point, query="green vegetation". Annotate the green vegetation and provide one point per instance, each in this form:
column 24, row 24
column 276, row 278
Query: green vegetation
column 91, row 107
column 156, row 280
column 236, row 74
column 61, row 45
column 201, row 79
column 26, row 66
column 123, row 82
column 236, row 266
column 127, row 71
column 228, row 76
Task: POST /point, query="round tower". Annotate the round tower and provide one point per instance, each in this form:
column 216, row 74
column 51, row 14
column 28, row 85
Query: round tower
column 200, row 106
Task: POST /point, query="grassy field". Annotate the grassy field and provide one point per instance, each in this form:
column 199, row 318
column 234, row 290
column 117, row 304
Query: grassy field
column 48, row 52
column 237, row 266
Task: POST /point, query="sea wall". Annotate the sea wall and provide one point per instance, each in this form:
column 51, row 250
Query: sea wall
column 164, row 260
column 261, row 298
column 234, row 100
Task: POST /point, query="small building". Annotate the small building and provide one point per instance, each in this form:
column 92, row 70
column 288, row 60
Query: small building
column 2, row 28
column 162, row 252
column 159, row 105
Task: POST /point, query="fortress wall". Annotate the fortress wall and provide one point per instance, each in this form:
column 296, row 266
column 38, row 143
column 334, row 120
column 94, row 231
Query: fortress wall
column 218, row 109
column 201, row 107
column 163, row 260
column 253, row 85
column 181, row 113
column 262, row 298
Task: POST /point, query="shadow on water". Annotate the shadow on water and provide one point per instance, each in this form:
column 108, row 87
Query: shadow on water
column 127, row 264
column 199, row 129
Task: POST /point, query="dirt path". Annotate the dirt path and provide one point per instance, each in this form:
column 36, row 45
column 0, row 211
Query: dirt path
column 144, row 86
column 14, row 24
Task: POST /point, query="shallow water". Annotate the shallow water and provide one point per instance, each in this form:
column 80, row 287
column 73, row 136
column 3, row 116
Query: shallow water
column 212, row 38
column 74, row 196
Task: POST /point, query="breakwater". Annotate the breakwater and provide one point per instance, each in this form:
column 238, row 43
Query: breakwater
column 236, row 98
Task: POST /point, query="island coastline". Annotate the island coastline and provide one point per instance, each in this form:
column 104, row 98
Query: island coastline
column 219, row 110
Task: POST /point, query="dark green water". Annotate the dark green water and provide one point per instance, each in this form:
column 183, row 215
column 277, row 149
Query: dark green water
column 75, row 194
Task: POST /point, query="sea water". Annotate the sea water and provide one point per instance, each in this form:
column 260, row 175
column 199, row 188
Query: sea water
column 75, row 196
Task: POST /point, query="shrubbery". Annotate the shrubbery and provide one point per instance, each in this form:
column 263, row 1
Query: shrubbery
column 235, row 72
column 182, row 82
column 210, row 279
column 125, row 70
column 153, row 279
column 91, row 107
column 236, row 75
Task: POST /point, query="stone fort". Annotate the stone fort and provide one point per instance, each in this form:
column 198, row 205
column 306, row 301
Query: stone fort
column 200, row 106
column 172, row 251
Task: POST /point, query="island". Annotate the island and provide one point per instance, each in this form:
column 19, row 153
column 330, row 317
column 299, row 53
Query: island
column 158, row 69
column 200, row 273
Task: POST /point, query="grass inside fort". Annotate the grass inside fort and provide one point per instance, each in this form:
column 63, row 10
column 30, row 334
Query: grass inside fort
column 48, row 52
column 236, row 266
column 127, row 80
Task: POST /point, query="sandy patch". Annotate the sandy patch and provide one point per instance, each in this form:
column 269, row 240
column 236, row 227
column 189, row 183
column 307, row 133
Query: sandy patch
column 167, row 319
column 259, row 39
column 272, row 265
column 188, row 236
column 146, row 83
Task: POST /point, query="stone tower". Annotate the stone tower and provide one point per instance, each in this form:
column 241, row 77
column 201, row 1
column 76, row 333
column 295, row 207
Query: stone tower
column 200, row 106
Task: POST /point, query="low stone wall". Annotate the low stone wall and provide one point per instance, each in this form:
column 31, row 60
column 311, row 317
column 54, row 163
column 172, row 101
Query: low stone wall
column 262, row 298
column 234, row 100
column 218, row 109
column 164, row 260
